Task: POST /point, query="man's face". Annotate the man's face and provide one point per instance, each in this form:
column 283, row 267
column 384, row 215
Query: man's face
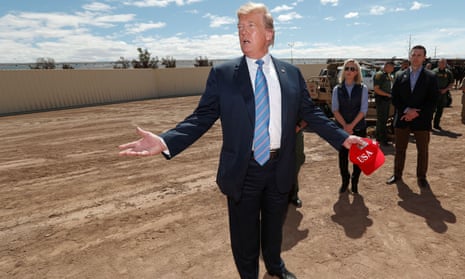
column 388, row 68
column 417, row 57
column 254, row 38
column 442, row 64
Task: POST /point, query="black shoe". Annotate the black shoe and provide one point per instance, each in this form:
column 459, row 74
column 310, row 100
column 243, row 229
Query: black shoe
column 345, row 183
column 393, row 179
column 354, row 182
column 343, row 188
column 285, row 274
column 297, row 202
column 423, row 183
column 437, row 127
column 354, row 189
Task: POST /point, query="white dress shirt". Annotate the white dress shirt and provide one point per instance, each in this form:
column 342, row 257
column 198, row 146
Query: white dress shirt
column 274, row 92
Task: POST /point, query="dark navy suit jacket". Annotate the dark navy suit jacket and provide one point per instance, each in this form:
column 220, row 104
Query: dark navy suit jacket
column 229, row 96
column 423, row 97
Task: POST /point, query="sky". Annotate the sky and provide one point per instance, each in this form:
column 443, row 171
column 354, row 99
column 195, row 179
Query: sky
column 106, row 30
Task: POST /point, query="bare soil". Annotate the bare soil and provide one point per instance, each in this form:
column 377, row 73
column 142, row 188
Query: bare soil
column 70, row 207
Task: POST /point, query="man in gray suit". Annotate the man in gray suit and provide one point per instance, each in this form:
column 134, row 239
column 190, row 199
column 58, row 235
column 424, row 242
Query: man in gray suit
column 257, row 192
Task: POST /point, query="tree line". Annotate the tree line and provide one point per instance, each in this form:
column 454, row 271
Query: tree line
column 145, row 61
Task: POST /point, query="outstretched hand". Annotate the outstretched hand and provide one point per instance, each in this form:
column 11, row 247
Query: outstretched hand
column 353, row 140
column 149, row 144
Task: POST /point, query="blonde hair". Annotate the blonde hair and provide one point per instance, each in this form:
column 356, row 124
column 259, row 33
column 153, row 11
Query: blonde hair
column 251, row 7
column 358, row 77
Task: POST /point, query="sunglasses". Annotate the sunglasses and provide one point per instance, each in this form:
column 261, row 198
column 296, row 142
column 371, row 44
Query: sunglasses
column 352, row 69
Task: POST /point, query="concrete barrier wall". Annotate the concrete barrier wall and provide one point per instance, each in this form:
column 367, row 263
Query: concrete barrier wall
column 36, row 90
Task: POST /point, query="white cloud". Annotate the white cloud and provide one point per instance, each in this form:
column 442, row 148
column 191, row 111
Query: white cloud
column 377, row 10
column 113, row 18
column 159, row 3
column 70, row 47
column 148, row 3
column 37, row 21
column 51, row 20
column 101, row 31
column 142, row 27
column 97, row 7
column 330, row 2
column 417, row 6
column 15, row 22
column 180, row 47
column 288, row 17
column 35, row 29
column 282, row 8
column 218, row 21
column 450, row 31
column 351, row 15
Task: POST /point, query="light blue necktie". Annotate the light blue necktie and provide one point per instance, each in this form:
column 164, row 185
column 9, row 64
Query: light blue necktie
column 261, row 141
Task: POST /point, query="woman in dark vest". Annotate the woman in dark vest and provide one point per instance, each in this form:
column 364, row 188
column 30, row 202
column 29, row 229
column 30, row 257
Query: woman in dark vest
column 349, row 106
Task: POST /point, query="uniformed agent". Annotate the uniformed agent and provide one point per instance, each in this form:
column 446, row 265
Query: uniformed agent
column 445, row 83
column 382, row 86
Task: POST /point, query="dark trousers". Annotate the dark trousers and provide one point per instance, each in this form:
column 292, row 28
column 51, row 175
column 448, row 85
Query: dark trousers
column 383, row 105
column 440, row 105
column 299, row 160
column 344, row 161
column 257, row 220
column 422, row 139
column 438, row 115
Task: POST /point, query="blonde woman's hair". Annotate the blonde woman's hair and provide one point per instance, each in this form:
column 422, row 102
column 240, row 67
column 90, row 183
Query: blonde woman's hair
column 358, row 77
column 251, row 7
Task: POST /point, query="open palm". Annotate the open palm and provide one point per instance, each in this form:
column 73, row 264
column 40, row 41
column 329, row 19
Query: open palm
column 149, row 144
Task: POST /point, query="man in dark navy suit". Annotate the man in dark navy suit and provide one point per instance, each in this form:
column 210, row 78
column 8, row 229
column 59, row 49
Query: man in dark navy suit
column 414, row 95
column 257, row 191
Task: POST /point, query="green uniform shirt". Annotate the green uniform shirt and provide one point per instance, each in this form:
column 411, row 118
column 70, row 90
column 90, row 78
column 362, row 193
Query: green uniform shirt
column 384, row 81
column 445, row 77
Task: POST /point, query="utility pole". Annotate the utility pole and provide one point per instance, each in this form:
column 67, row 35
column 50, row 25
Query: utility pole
column 291, row 45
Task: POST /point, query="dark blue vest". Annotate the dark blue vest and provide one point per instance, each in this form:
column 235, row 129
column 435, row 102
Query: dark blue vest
column 349, row 107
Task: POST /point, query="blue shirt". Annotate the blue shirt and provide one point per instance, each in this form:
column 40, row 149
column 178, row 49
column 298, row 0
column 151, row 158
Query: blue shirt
column 414, row 77
column 364, row 105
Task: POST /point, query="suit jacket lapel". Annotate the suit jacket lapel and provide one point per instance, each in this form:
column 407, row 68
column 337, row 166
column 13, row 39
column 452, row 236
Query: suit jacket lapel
column 242, row 78
column 406, row 78
column 283, row 83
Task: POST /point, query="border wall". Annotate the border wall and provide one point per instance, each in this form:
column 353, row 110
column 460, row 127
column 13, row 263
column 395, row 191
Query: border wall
column 24, row 91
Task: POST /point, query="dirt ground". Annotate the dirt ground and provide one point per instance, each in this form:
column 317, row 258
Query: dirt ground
column 70, row 207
